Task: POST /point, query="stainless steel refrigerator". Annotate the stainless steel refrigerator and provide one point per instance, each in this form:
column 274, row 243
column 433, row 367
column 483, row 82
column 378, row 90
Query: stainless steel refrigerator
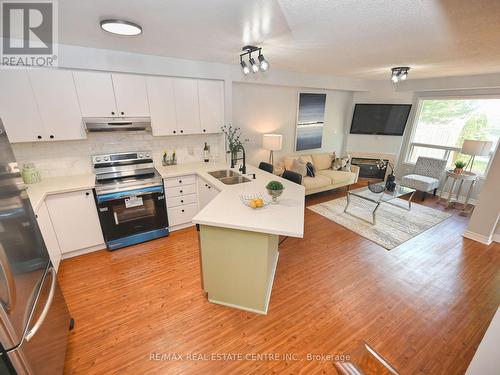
column 34, row 318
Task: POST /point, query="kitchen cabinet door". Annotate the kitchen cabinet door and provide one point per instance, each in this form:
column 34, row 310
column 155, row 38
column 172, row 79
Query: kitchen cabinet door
column 162, row 105
column 211, row 97
column 49, row 235
column 18, row 109
column 95, row 94
column 75, row 220
column 131, row 95
column 187, row 106
column 57, row 101
column 206, row 192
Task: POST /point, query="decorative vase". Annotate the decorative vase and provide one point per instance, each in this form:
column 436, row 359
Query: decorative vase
column 275, row 194
column 234, row 156
column 390, row 183
column 458, row 170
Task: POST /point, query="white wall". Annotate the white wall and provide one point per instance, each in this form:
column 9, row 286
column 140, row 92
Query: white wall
column 260, row 109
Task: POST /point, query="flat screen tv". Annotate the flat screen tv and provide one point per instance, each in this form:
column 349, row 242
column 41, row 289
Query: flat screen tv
column 381, row 119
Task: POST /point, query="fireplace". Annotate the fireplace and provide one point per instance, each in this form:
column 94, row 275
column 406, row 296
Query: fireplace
column 368, row 167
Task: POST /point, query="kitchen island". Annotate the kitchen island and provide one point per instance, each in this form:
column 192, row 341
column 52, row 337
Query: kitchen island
column 238, row 244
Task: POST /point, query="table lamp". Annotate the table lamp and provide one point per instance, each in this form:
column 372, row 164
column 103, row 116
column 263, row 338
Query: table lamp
column 475, row 148
column 272, row 142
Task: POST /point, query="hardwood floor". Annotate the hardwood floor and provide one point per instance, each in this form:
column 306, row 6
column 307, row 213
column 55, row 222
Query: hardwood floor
column 424, row 305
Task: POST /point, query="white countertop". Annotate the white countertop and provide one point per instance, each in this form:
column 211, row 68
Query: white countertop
column 55, row 185
column 226, row 210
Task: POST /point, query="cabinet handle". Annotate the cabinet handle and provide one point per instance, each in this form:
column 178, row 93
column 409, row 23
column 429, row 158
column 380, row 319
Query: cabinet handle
column 182, row 201
column 206, row 185
column 180, row 191
column 39, row 137
column 112, row 113
column 122, row 113
column 51, row 137
column 209, row 187
column 182, row 131
column 87, row 193
column 204, row 130
column 182, row 210
column 180, row 181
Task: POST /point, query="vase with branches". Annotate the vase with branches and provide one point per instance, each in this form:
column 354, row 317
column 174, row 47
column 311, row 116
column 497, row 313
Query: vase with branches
column 234, row 141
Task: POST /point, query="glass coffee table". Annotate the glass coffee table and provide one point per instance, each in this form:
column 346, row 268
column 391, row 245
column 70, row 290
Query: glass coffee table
column 378, row 198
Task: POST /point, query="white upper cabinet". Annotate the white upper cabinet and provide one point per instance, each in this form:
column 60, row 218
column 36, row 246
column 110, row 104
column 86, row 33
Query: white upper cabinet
column 162, row 105
column 57, row 101
column 131, row 95
column 18, row 109
column 95, row 94
column 211, row 97
column 187, row 106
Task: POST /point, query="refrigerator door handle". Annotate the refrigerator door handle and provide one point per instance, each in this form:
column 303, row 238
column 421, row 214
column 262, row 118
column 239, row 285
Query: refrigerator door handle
column 9, row 280
column 32, row 332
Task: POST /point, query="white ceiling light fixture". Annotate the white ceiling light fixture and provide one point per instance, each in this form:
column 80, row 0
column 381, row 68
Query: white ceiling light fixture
column 262, row 65
column 121, row 27
column 399, row 73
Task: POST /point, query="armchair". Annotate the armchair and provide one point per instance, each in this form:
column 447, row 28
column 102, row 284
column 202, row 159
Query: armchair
column 426, row 175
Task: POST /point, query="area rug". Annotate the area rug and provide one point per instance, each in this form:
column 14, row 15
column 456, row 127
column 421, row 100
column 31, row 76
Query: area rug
column 394, row 225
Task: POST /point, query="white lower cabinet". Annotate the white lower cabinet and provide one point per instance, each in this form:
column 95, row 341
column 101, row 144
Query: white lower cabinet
column 75, row 220
column 182, row 200
column 49, row 235
column 206, row 192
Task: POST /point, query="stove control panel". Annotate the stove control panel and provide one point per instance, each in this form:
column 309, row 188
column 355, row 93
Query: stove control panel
column 130, row 157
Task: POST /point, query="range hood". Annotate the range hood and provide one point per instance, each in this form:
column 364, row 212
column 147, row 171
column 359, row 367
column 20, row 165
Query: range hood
column 113, row 124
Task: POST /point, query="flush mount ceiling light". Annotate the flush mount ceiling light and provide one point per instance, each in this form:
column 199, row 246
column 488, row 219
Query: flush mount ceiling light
column 121, row 27
column 262, row 65
column 399, row 73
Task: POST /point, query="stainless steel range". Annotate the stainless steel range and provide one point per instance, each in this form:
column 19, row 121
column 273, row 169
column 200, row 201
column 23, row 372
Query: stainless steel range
column 130, row 198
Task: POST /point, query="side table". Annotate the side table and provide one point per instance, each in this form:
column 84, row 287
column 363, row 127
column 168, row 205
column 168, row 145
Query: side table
column 458, row 178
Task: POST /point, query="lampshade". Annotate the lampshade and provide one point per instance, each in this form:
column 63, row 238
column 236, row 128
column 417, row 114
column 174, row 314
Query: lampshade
column 476, row 148
column 272, row 142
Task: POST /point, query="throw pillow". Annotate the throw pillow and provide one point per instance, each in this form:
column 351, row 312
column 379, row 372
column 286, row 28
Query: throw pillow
column 342, row 164
column 310, row 169
column 299, row 167
column 347, row 166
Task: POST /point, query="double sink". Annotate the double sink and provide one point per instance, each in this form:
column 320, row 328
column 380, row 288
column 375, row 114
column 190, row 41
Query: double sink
column 229, row 177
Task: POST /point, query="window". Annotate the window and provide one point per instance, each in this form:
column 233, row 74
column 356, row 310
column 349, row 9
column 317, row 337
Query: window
column 442, row 125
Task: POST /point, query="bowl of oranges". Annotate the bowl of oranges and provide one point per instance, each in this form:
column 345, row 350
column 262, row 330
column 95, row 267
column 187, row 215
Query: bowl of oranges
column 255, row 201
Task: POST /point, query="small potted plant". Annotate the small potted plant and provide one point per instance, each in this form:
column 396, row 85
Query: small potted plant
column 459, row 167
column 275, row 189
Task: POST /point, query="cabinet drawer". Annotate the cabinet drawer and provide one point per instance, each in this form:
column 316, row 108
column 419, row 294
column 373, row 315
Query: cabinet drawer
column 181, row 200
column 182, row 214
column 180, row 190
column 180, row 181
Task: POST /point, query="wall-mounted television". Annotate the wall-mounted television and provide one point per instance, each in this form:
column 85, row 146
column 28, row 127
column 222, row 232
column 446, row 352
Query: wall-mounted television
column 380, row 119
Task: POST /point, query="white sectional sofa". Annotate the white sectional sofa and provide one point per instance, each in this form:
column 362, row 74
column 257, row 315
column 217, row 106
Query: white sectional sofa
column 325, row 177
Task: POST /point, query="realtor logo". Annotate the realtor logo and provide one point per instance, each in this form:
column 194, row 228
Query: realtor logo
column 29, row 33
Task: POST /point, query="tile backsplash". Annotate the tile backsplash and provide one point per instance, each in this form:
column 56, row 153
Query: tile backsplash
column 73, row 157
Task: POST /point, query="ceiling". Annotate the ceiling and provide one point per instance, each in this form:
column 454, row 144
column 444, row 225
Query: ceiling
column 355, row 38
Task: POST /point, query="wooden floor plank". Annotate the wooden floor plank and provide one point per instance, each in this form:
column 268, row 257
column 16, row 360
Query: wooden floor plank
column 424, row 305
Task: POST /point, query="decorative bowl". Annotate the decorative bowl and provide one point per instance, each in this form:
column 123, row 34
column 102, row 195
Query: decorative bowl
column 376, row 188
column 249, row 200
column 275, row 194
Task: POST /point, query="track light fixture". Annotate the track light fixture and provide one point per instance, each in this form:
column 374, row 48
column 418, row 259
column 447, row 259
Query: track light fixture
column 262, row 64
column 399, row 73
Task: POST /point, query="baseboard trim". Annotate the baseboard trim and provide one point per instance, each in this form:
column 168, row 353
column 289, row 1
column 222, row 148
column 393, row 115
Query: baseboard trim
column 478, row 237
column 83, row 251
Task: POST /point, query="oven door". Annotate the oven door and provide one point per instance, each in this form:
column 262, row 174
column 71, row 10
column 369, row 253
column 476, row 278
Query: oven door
column 128, row 213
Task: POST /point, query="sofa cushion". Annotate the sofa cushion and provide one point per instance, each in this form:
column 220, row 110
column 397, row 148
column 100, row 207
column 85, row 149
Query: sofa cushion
column 288, row 161
column 322, row 160
column 315, row 182
column 338, row 177
column 419, row 182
